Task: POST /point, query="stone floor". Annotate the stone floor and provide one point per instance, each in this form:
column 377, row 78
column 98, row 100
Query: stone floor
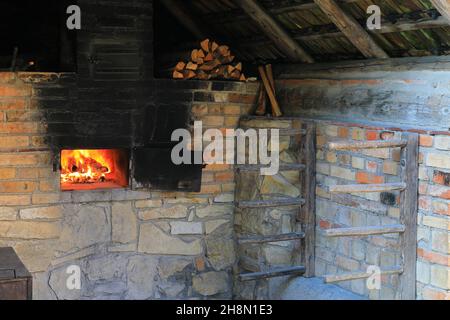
column 315, row 289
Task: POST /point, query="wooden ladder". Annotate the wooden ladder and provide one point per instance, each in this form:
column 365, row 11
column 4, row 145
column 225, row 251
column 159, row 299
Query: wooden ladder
column 408, row 212
column 305, row 216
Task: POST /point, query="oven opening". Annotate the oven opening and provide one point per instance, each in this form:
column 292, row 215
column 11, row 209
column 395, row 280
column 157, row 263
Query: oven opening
column 91, row 169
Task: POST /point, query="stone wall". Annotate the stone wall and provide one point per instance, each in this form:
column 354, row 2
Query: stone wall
column 128, row 244
column 379, row 166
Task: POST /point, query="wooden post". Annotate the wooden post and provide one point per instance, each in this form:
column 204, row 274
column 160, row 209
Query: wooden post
column 307, row 215
column 408, row 216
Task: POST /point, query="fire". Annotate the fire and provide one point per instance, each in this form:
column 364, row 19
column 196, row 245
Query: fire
column 86, row 166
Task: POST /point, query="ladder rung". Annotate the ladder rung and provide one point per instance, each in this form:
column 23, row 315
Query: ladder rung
column 272, row 273
column 350, row 145
column 292, row 132
column 360, row 275
column 355, row 188
column 364, row 231
column 271, row 203
column 282, row 167
column 274, row 238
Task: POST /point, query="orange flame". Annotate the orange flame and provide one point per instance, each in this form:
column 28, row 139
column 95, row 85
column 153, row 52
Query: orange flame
column 86, row 166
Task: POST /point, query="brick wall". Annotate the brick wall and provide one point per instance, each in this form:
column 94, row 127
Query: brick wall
column 128, row 244
column 379, row 166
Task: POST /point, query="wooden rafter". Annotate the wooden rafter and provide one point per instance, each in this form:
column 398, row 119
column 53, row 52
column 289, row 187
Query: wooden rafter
column 352, row 29
column 177, row 8
column 443, row 6
column 275, row 32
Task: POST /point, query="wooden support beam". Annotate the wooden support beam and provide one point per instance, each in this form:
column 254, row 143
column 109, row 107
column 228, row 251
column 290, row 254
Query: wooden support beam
column 271, row 203
column 364, row 231
column 408, row 216
column 272, row 273
column 348, row 276
column 274, row 31
column 367, row 188
column 380, row 144
column 352, row 29
column 181, row 13
column 275, row 238
column 443, row 6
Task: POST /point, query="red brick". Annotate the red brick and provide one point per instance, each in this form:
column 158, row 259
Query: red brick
column 17, row 186
column 19, row 127
column 425, row 140
column 232, row 110
column 372, row 135
column 424, row 203
column 217, row 167
column 433, row 257
column 16, row 104
column 343, row 132
column 439, row 191
column 23, row 159
column 14, row 91
column 423, row 187
column 372, row 166
column 15, row 200
column 323, row 224
column 7, row 77
column 210, row 188
column 435, row 294
column 364, row 177
column 14, row 142
column 242, row 98
column 441, row 177
column 224, row 176
column 7, row 173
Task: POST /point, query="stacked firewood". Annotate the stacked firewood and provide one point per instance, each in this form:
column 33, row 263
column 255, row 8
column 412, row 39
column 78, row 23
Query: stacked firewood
column 210, row 61
column 267, row 90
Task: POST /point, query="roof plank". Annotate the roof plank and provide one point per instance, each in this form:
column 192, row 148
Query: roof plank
column 352, row 29
column 443, row 6
column 275, row 32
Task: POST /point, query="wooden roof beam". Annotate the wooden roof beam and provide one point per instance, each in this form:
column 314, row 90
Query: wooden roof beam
column 283, row 41
column 443, row 6
column 354, row 32
column 179, row 11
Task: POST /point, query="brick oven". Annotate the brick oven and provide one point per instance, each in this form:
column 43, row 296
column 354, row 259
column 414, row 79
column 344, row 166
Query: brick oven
column 88, row 187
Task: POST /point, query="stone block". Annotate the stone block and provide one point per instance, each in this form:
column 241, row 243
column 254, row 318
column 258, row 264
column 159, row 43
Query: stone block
column 175, row 212
column 440, row 241
column 211, row 283
column 153, row 240
column 423, row 272
column 141, row 275
column 439, row 160
column 278, row 185
column 29, row 230
column 54, row 212
column 220, row 252
column 124, row 223
column 440, row 276
column 182, row 227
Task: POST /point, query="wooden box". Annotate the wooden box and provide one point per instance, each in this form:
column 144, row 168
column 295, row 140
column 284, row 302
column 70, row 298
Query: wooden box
column 15, row 280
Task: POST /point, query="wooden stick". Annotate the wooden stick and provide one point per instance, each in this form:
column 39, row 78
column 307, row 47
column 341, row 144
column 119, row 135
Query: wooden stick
column 272, row 273
column 359, row 275
column 262, row 102
column 269, row 72
column 273, row 101
column 275, row 238
column 379, row 144
column 367, row 188
column 271, row 203
column 364, row 231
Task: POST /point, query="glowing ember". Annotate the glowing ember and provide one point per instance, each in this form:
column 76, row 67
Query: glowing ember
column 85, row 166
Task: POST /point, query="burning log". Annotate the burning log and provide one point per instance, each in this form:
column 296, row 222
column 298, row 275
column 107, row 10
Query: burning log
column 210, row 61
